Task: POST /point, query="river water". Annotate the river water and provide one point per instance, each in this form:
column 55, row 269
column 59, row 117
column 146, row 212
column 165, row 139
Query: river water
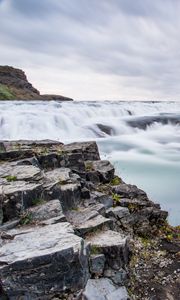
column 142, row 139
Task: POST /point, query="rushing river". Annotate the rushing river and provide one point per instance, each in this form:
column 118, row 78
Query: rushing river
column 142, row 139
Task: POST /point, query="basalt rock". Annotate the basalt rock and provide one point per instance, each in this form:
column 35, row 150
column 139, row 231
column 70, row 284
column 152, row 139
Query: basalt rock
column 42, row 261
column 18, row 195
column 64, row 219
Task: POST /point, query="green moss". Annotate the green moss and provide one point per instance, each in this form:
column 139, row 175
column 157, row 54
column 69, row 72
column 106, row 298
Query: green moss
column 133, row 207
column 5, row 93
column 36, row 202
column 10, row 178
column 115, row 181
column 95, row 250
column 26, row 219
column 116, row 198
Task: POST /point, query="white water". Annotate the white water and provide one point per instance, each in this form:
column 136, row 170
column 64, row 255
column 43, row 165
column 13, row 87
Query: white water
column 147, row 157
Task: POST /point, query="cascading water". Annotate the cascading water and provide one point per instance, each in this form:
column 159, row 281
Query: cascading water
column 142, row 139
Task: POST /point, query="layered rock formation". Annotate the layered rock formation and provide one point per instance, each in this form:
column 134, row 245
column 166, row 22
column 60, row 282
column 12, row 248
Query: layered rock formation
column 15, row 86
column 70, row 229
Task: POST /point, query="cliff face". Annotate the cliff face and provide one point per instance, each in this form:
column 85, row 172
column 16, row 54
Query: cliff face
column 14, row 85
column 71, row 229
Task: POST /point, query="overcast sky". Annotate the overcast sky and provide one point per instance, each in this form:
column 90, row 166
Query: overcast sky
column 95, row 49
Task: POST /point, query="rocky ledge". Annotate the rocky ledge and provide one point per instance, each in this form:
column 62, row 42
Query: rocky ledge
column 72, row 229
column 15, row 86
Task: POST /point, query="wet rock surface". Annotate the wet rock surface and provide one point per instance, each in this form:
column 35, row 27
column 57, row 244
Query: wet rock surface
column 71, row 229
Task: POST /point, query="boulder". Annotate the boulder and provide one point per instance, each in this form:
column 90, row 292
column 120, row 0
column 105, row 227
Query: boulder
column 48, row 210
column 41, row 261
column 104, row 289
column 113, row 245
column 69, row 194
column 59, row 175
column 105, row 170
column 97, row 263
column 117, row 212
column 88, row 220
column 89, row 150
column 17, row 196
column 129, row 191
column 19, row 172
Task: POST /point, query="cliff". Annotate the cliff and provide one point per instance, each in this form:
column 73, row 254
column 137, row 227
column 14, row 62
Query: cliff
column 71, row 229
column 14, row 85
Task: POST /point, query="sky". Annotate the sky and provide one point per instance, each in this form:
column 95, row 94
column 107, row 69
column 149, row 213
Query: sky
column 95, row 49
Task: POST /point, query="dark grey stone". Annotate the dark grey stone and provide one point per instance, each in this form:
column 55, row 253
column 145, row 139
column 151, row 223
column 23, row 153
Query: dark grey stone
column 113, row 245
column 97, row 263
column 48, row 210
column 117, row 212
column 41, row 261
column 105, row 170
column 17, row 196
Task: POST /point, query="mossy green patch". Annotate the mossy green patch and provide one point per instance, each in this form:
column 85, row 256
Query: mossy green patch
column 10, row 178
column 6, row 93
column 36, row 202
column 116, row 199
column 26, row 218
column 115, row 181
column 94, row 250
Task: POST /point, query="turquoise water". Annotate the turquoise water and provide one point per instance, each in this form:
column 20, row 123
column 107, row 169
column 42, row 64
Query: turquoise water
column 161, row 183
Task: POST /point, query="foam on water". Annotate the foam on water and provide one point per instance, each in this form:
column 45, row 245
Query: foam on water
column 148, row 157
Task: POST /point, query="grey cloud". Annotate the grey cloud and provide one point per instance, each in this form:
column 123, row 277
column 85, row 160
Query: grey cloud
column 134, row 40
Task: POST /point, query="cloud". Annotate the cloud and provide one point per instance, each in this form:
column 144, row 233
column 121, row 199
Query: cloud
column 119, row 49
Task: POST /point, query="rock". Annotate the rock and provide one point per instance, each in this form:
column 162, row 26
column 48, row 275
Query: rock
column 98, row 289
column 49, row 160
column 18, row 172
column 129, row 191
column 89, row 150
column 87, row 220
column 104, row 199
column 42, row 261
column 117, row 212
column 59, row 175
column 15, row 154
column 2, row 147
column 103, row 289
column 9, row 225
column 105, row 170
column 119, row 277
column 85, row 194
column 17, row 196
column 106, row 129
column 97, row 263
column 69, row 194
column 120, row 294
column 92, row 176
column 113, row 245
column 48, row 210
column 29, row 161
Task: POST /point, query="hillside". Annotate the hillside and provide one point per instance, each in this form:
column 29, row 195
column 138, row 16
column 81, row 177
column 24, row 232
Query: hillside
column 14, row 85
